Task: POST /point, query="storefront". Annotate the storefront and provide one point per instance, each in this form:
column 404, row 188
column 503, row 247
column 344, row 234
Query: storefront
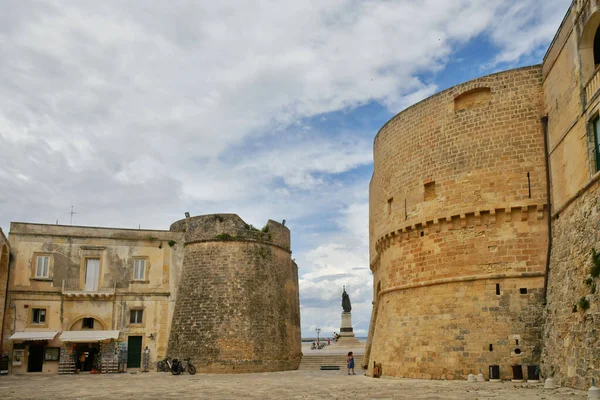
column 89, row 351
column 35, row 352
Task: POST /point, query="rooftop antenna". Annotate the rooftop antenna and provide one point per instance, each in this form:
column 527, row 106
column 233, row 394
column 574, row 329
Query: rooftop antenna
column 72, row 213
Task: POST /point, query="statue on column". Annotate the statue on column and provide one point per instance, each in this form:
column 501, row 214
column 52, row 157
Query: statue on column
column 346, row 301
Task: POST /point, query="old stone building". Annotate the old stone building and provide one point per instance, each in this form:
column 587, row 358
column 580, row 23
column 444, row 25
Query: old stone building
column 4, row 257
column 571, row 83
column 484, row 212
column 93, row 299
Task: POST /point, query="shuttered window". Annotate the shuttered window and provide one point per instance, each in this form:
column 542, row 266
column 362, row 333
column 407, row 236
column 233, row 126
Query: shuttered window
column 43, row 267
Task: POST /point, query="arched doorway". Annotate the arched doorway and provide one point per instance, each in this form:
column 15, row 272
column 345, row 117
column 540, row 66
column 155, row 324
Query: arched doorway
column 589, row 47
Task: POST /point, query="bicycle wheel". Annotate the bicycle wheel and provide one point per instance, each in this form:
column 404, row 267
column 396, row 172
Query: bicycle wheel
column 191, row 369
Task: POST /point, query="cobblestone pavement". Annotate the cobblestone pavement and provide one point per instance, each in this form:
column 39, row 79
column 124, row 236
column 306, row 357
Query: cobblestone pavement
column 277, row 385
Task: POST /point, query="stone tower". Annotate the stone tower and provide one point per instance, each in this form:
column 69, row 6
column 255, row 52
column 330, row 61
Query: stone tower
column 237, row 307
column 458, row 231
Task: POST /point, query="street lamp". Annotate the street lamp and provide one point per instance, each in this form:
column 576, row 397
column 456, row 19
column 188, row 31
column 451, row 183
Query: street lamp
column 318, row 330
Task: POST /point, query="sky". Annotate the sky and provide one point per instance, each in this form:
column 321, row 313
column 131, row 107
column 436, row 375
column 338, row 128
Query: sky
column 135, row 112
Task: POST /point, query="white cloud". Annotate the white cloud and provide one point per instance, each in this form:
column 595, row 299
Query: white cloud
column 134, row 114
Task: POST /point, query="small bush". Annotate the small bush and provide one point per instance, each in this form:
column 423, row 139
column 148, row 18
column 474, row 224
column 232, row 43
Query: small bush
column 251, row 227
column 574, row 309
column 265, row 229
column 224, row 236
column 584, row 304
column 172, row 243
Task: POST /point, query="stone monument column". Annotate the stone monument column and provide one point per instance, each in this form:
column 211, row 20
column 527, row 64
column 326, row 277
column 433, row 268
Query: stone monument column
column 346, row 332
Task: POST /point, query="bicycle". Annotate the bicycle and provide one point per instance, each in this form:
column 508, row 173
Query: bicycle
column 178, row 367
column 164, row 365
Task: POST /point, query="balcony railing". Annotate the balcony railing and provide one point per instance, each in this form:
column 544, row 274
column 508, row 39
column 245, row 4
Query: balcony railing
column 78, row 292
column 592, row 86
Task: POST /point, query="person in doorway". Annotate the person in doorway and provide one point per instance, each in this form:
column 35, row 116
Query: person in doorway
column 81, row 360
column 350, row 361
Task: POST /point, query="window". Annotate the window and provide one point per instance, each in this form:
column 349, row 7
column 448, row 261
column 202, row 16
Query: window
column 92, row 273
column 42, row 269
column 139, row 270
column 597, row 142
column 38, row 316
column 135, row 316
column 51, row 354
column 87, row 323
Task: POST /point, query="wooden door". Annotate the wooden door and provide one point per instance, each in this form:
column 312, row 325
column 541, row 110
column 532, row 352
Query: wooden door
column 134, row 352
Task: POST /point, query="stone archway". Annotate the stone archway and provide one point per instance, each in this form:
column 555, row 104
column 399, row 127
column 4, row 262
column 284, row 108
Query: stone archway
column 589, row 47
column 82, row 323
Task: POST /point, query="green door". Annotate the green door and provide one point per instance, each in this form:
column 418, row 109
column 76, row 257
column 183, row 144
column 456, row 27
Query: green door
column 134, row 351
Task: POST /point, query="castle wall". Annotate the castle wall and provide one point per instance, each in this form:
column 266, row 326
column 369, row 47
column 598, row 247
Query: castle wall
column 238, row 301
column 457, row 207
column 571, row 83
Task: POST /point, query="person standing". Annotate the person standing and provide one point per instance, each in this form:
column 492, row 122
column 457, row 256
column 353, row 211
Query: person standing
column 350, row 362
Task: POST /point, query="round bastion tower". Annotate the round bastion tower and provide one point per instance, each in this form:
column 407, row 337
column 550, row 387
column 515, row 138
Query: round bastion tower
column 237, row 307
column 458, row 231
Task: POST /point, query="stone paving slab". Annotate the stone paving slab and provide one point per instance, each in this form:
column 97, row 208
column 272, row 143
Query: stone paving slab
column 306, row 385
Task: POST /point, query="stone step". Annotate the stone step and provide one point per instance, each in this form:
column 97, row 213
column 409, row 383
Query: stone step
column 315, row 362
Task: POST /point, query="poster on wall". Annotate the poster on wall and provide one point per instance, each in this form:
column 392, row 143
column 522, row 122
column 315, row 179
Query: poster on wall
column 18, row 355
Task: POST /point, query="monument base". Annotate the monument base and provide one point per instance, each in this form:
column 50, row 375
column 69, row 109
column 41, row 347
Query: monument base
column 347, row 338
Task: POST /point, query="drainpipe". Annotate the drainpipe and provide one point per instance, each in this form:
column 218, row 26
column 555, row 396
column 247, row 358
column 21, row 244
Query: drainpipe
column 544, row 121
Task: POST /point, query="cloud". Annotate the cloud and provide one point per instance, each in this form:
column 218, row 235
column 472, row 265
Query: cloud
column 135, row 114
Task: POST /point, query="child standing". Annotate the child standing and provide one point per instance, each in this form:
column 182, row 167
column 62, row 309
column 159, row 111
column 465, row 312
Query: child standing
column 350, row 362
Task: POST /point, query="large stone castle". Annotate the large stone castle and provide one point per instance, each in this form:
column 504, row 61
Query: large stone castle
column 484, row 212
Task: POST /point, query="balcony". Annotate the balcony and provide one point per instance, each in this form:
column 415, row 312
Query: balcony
column 78, row 292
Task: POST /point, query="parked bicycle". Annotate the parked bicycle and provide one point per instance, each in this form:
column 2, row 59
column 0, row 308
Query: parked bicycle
column 164, row 365
column 178, row 367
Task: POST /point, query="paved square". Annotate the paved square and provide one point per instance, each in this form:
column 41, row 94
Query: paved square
column 277, row 385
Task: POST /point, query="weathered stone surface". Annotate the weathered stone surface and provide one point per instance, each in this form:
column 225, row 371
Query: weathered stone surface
column 237, row 308
column 458, row 206
column 4, row 258
column 572, row 339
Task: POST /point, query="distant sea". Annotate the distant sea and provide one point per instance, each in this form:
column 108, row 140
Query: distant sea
column 310, row 340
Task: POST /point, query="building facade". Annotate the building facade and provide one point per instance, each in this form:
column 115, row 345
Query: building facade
column 76, row 293
column 485, row 221
column 4, row 259
column 571, row 82
column 102, row 299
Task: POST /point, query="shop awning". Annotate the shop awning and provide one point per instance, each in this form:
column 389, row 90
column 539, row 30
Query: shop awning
column 88, row 336
column 34, row 335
